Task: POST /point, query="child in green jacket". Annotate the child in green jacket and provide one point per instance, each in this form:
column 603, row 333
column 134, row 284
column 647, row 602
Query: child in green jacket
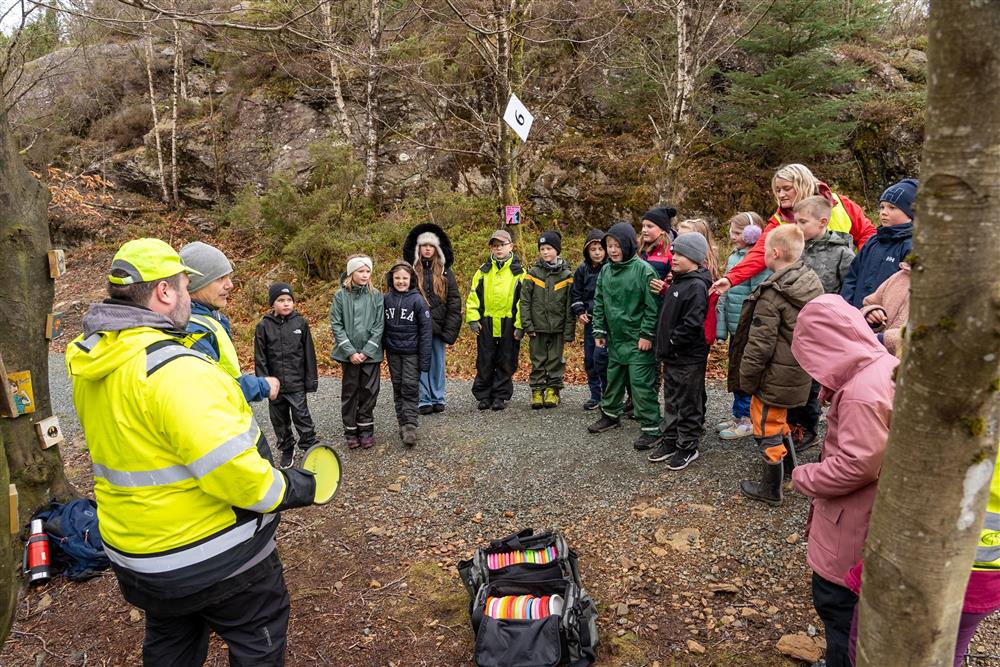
column 547, row 319
column 492, row 312
column 357, row 319
column 625, row 313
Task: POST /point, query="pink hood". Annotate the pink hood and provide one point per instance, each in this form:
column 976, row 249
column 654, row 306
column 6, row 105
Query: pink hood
column 832, row 342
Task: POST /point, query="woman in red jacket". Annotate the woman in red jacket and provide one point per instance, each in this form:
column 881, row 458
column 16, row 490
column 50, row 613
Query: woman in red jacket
column 791, row 184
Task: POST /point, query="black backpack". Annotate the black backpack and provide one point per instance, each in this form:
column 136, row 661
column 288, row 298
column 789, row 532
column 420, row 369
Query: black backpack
column 565, row 638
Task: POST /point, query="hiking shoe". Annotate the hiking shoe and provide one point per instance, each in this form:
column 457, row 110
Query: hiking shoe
column 741, row 429
column 352, row 441
column 537, row 399
column 605, row 423
column 438, row 407
column 498, row 404
column 551, row 397
column 408, row 434
column 592, row 404
column 646, row 441
column 682, row 458
column 803, row 438
column 425, row 409
column 484, row 404
column 725, row 424
column 663, row 452
column 367, row 441
column 287, row 458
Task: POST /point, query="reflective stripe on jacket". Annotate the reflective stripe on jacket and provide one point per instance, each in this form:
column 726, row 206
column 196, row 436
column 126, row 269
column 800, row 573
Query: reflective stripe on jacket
column 495, row 294
column 228, row 358
column 181, row 486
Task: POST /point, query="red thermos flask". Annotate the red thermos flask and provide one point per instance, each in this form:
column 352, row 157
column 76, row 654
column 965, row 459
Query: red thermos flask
column 36, row 556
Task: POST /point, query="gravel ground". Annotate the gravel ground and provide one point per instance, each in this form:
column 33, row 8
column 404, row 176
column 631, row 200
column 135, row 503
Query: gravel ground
column 372, row 577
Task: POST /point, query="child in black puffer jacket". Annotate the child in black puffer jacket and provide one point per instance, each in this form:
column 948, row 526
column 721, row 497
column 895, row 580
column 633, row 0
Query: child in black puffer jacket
column 283, row 348
column 407, row 342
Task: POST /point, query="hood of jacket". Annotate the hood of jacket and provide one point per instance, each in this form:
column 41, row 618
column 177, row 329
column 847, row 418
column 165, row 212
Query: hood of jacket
column 401, row 264
column 833, row 342
column 798, row 283
column 119, row 331
column 701, row 273
column 410, row 244
column 624, row 233
column 894, row 232
column 561, row 266
column 830, row 240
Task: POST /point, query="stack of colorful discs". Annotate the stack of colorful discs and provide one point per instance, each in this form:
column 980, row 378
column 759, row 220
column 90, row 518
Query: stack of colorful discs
column 523, row 607
column 531, row 556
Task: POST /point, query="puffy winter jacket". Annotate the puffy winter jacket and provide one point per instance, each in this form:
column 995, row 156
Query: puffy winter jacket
column 495, row 295
column 357, row 320
column 762, row 363
column 830, row 256
column 846, row 216
column 545, row 300
column 878, row 260
column 585, row 278
column 731, row 303
column 624, row 308
column 184, row 494
column 216, row 341
column 283, row 348
column 680, row 338
column 835, row 345
column 446, row 313
column 893, row 298
column 408, row 325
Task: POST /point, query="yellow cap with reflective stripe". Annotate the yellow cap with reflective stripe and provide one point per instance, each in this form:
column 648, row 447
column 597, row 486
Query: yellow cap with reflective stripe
column 146, row 260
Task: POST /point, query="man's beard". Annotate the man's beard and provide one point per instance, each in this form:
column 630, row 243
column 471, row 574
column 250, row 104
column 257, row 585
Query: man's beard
column 180, row 314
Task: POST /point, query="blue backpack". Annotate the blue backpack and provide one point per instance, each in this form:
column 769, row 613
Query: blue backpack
column 75, row 543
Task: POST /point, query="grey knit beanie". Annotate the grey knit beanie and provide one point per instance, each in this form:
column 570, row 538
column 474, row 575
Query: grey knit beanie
column 209, row 260
column 691, row 245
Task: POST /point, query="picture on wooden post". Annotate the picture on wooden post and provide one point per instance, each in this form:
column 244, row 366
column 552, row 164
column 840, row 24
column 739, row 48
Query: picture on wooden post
column 53, row 325
column 22, row 397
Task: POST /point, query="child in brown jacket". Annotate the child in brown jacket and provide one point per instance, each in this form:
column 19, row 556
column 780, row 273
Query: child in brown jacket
column 762, row 364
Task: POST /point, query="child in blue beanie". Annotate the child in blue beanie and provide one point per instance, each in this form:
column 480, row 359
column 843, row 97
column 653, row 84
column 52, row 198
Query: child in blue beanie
column 880, row 256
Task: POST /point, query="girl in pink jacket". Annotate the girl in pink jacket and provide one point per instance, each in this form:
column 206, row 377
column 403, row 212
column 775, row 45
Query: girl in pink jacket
column 833, row 343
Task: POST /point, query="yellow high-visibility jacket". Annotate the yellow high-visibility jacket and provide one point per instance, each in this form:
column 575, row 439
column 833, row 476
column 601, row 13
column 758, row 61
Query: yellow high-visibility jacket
column 988, row 550
column 182, row 491
column 495, row 295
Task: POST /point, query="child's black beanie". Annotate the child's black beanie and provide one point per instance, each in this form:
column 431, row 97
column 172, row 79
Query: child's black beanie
column 278, row 289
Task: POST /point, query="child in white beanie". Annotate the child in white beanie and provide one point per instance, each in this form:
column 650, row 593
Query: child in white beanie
column 357, row 319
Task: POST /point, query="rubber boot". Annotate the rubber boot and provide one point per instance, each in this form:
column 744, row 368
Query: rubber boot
column 768, row 490
column 791, row 460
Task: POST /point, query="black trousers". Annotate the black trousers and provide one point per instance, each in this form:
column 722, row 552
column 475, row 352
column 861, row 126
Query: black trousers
column 286, row 410
column 835, row 606
column 683, row 404
column 358, row 394
column 807, row 416
column 404, row 369
column 496, row 361
column 253, row 623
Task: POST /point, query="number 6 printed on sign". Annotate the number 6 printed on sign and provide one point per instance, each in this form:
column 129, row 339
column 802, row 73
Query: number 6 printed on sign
column 518, row 117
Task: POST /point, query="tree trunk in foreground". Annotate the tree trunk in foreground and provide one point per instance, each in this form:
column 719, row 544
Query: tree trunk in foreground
column 25, row 301
column 936, row 478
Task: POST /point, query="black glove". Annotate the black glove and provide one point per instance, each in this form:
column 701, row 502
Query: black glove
column 300, row 489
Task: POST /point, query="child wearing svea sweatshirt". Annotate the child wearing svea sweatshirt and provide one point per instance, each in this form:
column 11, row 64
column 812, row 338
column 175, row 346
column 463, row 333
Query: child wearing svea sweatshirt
column 744, row 230
column 625, row 312
column 357, row 320
column 595, row 359
column 408, row 335
column 547, row 320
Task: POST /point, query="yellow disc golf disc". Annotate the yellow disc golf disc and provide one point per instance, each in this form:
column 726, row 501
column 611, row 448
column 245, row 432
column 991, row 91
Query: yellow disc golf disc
column 324, row 463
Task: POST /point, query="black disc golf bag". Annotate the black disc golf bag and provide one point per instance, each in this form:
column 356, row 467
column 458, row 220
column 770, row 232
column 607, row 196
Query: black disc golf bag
column 522, row 556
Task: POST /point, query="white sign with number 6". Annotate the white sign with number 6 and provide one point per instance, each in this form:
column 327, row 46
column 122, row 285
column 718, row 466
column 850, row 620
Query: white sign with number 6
column 518, row 117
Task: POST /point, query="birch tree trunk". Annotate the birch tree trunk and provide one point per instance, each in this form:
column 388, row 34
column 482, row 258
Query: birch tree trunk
column 508, row 14
column 173, row 125
column 936, row 478
column 156, row 120
column 372, row 166
column 338, row 93
column 25, row 301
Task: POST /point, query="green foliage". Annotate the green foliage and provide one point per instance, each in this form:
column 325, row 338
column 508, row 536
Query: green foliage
column 39, row 37
column 796, row 107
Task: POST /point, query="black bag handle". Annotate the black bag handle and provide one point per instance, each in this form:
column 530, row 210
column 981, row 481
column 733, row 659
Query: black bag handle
column 513, row 541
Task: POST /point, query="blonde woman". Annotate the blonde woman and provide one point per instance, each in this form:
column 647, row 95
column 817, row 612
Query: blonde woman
column 791, row 184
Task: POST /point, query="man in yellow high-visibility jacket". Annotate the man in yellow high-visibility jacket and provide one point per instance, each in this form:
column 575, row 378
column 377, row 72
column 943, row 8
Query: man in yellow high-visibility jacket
column 186, row 503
